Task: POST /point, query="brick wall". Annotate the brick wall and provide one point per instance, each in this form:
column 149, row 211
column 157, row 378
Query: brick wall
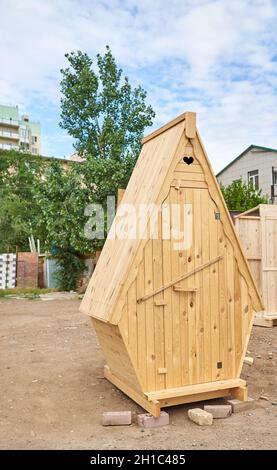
column 27, row 270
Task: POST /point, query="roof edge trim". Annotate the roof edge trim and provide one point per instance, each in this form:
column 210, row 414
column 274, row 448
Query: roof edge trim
column 164, row 128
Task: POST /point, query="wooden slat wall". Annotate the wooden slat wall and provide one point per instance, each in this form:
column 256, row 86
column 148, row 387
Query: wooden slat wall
column 116, row 353
column 249, row 231
column 259, row 240
column 270, row 264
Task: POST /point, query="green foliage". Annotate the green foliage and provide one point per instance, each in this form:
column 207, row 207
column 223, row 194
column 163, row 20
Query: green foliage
column 240, row 197
column 100, row 109
column 70, row 269
column 20, row 216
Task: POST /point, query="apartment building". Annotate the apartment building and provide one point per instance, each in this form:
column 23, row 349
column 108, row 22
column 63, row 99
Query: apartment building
column 18, row 132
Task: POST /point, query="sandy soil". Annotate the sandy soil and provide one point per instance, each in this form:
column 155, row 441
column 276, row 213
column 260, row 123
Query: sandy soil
column 53, row 392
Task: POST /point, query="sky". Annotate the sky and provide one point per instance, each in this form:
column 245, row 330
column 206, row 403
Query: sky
column 215, row 57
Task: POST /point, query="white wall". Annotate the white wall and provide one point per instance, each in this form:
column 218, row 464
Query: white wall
column 253, row 160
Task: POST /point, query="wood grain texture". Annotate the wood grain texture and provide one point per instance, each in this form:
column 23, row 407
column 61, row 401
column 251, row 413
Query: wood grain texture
column 258, row 236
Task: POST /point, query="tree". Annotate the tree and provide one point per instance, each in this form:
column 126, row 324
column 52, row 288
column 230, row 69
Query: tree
column 62, row 198
column 20, row 216
column 240, row 196
column 100, row 110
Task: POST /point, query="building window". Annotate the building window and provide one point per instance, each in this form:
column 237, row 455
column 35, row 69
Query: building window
column 34, row 150
column 34, row 139
column 253, row 178
column 274, row 175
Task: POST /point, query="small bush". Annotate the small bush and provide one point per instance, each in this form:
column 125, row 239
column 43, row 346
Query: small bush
column 70, row 269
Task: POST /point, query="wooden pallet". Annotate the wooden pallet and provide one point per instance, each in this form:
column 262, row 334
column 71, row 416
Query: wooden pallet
column 267, row 321
column 154, row 401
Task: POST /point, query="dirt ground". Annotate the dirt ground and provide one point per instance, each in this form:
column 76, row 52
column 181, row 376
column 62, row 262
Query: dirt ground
column 53, row 392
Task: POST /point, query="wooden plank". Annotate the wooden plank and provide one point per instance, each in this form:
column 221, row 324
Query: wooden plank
column 149, row 316
column 214, row 289
column 239, row 340
column 265, row 321
column 197, row 355
column 152, row 407
column 168, row 332
column 124, row 324
column 164, row 128
column 246, row 309
column 206, row 294
column 188, row 183
column 158, row 311
column 175, row 297
column 180, row 278
column 194, row 389
column 230, row 279
column 270, row 264
column 195, row 397
column 190, row 129
column 267, row 210
column 132, row 320
column 194, row 168
column 249, row 217
column 254, row 209
column 141, row 325
column 223, row 309
column 264, row 253
column 185, row 201
column 240, row 393
column 184, row 289
column 188, row 175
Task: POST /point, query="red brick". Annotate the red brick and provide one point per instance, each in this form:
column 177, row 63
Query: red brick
column 240, row 406
column 219, row 411
column 149, row 421
column 27, row 270
column 116, row 418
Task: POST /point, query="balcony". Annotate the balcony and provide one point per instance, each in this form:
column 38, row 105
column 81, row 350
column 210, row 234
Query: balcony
column 9, row 122
column 9, row 147
column 9, row 135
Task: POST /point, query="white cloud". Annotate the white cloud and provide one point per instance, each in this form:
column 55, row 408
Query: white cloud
column 212, row 56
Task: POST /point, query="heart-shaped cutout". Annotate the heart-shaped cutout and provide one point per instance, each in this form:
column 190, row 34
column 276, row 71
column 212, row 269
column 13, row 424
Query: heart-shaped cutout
column 188, row 160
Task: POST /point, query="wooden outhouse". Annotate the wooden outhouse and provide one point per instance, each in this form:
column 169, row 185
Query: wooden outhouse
column 257, row 230
column 173, row 318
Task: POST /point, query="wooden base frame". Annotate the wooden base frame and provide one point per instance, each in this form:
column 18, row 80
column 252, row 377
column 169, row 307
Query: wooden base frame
column 154, row 401
column 268, row 321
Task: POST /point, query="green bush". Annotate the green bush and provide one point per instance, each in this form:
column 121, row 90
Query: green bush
column 70, row 268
